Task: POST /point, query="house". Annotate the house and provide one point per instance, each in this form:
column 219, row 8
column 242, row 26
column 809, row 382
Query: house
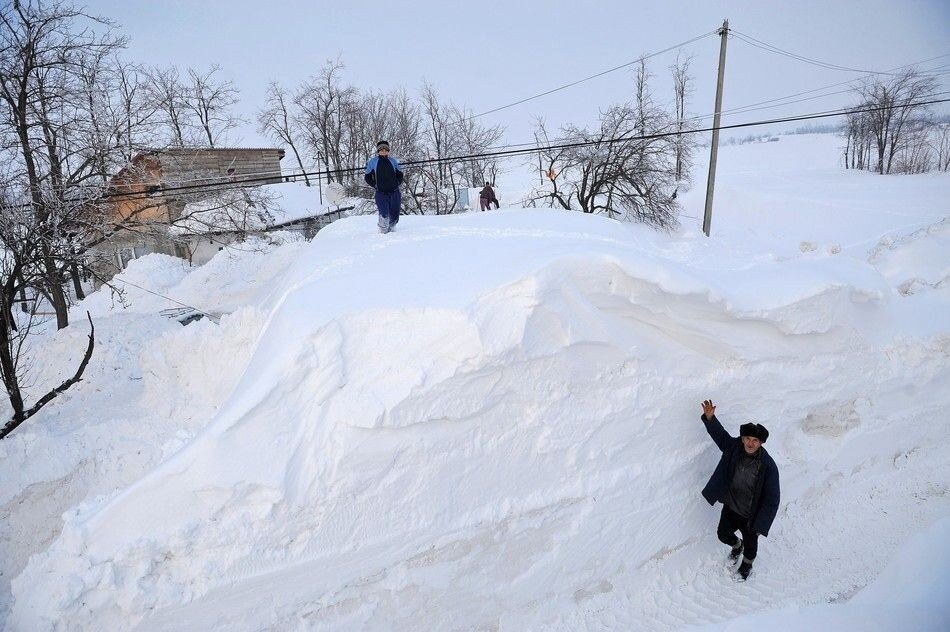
column 211, row 225
column 159, row 185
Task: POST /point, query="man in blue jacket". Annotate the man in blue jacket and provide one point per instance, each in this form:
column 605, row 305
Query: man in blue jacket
column 746, row 483
column 384, row 175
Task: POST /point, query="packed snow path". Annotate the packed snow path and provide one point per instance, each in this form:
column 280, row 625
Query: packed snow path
column 492, row 421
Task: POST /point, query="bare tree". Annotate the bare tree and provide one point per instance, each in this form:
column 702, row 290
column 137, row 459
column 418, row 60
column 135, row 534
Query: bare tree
column 323, row 102
column 859, row 141
column 451, row 135
column 474, row 139
column 21, row 266
column 211, row 99
column 896, row 110
column 915, row 154
column 682, row 90
column 238, row 213
column 276, row 121
column 168, row 93
column 624, row 169
column 438, row 176
column 136, row 114
column 54, row 60
column 942, row 147
column 337, row 124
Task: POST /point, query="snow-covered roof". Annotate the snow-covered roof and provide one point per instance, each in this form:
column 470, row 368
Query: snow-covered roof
column 254, row 208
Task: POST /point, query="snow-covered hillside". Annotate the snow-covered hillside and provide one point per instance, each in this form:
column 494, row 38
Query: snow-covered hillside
column 491, row 421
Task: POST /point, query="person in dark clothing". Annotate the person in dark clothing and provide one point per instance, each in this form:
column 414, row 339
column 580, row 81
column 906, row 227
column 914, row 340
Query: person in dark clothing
column 746, row 482
column 486, row 196
column 384, row 174
column 494, row 198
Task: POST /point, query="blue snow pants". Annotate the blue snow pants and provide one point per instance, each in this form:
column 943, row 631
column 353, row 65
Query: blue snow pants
column 388, row 205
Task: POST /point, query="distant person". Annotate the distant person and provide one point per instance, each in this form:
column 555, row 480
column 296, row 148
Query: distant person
column 485, row 197
column 746, row 483
column 384, row 175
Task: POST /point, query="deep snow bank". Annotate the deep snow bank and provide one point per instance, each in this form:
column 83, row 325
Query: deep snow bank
column 498, row 400
column 150, row 386
column 241, row 275
column 910, row 594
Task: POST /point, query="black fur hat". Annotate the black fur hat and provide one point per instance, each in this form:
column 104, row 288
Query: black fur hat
column 758, row 431
column 382, row 144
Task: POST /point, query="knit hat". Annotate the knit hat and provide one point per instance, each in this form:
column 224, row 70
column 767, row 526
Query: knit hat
column 757, row 431
column 383, row 144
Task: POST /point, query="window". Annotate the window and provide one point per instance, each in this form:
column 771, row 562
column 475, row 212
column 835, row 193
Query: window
column 124, row 256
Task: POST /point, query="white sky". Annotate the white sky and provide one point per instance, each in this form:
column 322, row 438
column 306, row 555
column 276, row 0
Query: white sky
column 490, row 53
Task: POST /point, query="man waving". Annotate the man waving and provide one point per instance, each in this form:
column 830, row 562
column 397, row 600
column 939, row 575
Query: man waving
column 746, row 483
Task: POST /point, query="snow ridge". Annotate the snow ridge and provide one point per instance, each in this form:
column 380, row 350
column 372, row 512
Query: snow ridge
column 393, row 456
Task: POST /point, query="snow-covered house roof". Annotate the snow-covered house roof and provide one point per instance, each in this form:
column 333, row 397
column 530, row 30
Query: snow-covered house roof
column 254, row 209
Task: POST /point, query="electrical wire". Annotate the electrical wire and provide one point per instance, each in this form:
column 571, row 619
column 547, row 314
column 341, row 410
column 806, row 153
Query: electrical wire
column 780, row 101
column 547, row 147
column 748, row 39
column 214, row 318
column 202, row 182
column 588, row 78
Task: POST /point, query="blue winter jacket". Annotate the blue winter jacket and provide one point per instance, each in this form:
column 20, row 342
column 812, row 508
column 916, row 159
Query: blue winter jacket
column 383, row 177
column 766, row 500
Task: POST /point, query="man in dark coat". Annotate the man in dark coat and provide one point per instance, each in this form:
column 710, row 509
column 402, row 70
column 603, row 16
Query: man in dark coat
column 746, row 483
column 486, row 197
column 384, row 174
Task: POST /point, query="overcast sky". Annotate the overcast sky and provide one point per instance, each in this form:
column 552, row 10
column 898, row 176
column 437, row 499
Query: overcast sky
column 489, row 53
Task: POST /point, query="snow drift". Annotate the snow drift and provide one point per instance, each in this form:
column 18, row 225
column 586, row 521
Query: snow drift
column 493, row 419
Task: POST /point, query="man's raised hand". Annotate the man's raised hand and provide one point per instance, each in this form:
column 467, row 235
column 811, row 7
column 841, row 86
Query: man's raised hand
column 709, row 409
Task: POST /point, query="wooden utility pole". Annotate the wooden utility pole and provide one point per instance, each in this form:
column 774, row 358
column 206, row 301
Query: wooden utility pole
column 714, row 147
column 320, row 176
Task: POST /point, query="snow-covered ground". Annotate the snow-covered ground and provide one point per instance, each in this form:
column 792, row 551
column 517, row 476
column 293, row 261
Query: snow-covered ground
column 491, row 421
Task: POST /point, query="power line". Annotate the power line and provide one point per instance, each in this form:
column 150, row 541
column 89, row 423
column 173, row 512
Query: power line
column 288, row 177
column 567, row 85
column 751, row 106
column 802, row 117
column 570, row 145
column 748, row 39
column 145, row 289
column 789, row 101
column 776, row 101
column 588, row 78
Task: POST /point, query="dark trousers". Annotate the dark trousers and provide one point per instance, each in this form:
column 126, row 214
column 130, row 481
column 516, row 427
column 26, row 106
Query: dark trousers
column 388, row 204
column 729, row 523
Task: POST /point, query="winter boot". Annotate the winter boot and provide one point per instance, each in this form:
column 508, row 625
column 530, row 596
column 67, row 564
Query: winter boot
column 735, row 552
column 744, row 569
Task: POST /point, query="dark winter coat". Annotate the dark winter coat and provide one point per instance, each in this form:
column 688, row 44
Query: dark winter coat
column 766, row 500
column 487, row 193
column 745, row 482
column 383, row 173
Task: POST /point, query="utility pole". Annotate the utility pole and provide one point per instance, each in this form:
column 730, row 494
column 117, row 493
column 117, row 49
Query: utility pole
column 319, row 176
column 714, row 147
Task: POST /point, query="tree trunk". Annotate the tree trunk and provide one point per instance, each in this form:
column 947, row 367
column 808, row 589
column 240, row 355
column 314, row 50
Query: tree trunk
column 300, row 163
column 8, row 366
column 22, row 282
column 77, row 282
column 54, row 285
